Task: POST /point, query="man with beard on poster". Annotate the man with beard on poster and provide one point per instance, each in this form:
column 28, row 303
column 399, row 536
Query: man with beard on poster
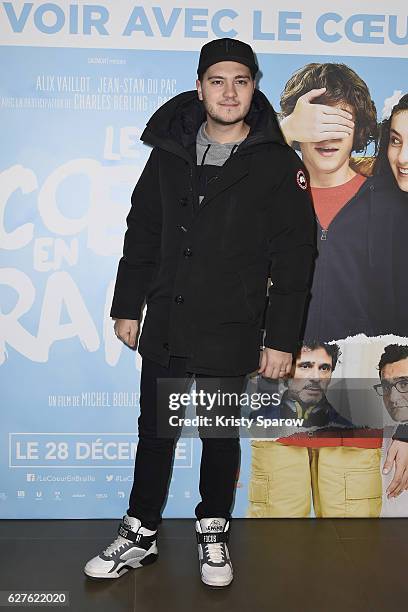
column 209, row 223
column 353, row 276
column 305, row 394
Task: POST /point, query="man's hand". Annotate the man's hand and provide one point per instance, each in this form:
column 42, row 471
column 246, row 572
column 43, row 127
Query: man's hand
column 126, row 330
column 397, row 452
column 275, row 364
column 316, row 122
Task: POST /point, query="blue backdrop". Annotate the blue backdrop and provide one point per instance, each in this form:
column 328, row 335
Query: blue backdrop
column 71, row 118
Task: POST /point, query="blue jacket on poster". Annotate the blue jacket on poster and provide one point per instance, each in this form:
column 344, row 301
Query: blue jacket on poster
column 359, row 280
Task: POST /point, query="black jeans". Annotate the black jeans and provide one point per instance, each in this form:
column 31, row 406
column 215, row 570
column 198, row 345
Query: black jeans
column 154, row 457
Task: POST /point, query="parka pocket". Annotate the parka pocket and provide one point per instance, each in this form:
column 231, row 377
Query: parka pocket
column 254, row 285
column 230, row 305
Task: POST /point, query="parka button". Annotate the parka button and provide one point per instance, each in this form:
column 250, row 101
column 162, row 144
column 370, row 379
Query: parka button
column 166, row 346
column 184, row 201
column 179, row 299
column 187, row 252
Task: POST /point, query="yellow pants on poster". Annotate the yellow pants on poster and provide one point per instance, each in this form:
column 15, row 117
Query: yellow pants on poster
column 344, row 481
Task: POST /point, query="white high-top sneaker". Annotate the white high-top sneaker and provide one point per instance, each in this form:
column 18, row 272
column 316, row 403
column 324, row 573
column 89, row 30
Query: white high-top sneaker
column 134, row 547
column 215, row 562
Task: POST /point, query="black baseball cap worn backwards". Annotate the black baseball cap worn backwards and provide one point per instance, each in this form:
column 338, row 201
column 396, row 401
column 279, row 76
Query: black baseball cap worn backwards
column 226, row 50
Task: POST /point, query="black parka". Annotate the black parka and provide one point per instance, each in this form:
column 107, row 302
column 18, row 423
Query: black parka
column 203, row 269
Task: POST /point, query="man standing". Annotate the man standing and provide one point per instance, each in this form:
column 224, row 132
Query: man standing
column 222, row 204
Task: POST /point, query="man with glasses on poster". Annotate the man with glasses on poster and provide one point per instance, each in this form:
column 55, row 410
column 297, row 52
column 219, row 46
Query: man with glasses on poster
column 393, row 389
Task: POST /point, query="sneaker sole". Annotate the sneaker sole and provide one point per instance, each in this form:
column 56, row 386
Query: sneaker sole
column 148, row 560
column 216, row 584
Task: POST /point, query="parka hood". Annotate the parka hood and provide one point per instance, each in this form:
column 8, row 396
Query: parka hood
column 177, row 122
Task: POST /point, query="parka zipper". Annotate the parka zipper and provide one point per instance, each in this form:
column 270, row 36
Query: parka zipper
column 324, row 238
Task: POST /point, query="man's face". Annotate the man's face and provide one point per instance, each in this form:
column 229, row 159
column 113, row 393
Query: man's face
column 328, row 156
column 395, row 401
column 311, row 377
column 226, row 89
column 398, row 149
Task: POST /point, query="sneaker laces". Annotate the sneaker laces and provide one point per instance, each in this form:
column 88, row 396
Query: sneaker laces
column 116, row 545
column 215, row 552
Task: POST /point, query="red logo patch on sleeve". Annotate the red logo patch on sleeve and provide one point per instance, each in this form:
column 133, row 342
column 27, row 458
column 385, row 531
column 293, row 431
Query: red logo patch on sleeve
column 301, row 179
